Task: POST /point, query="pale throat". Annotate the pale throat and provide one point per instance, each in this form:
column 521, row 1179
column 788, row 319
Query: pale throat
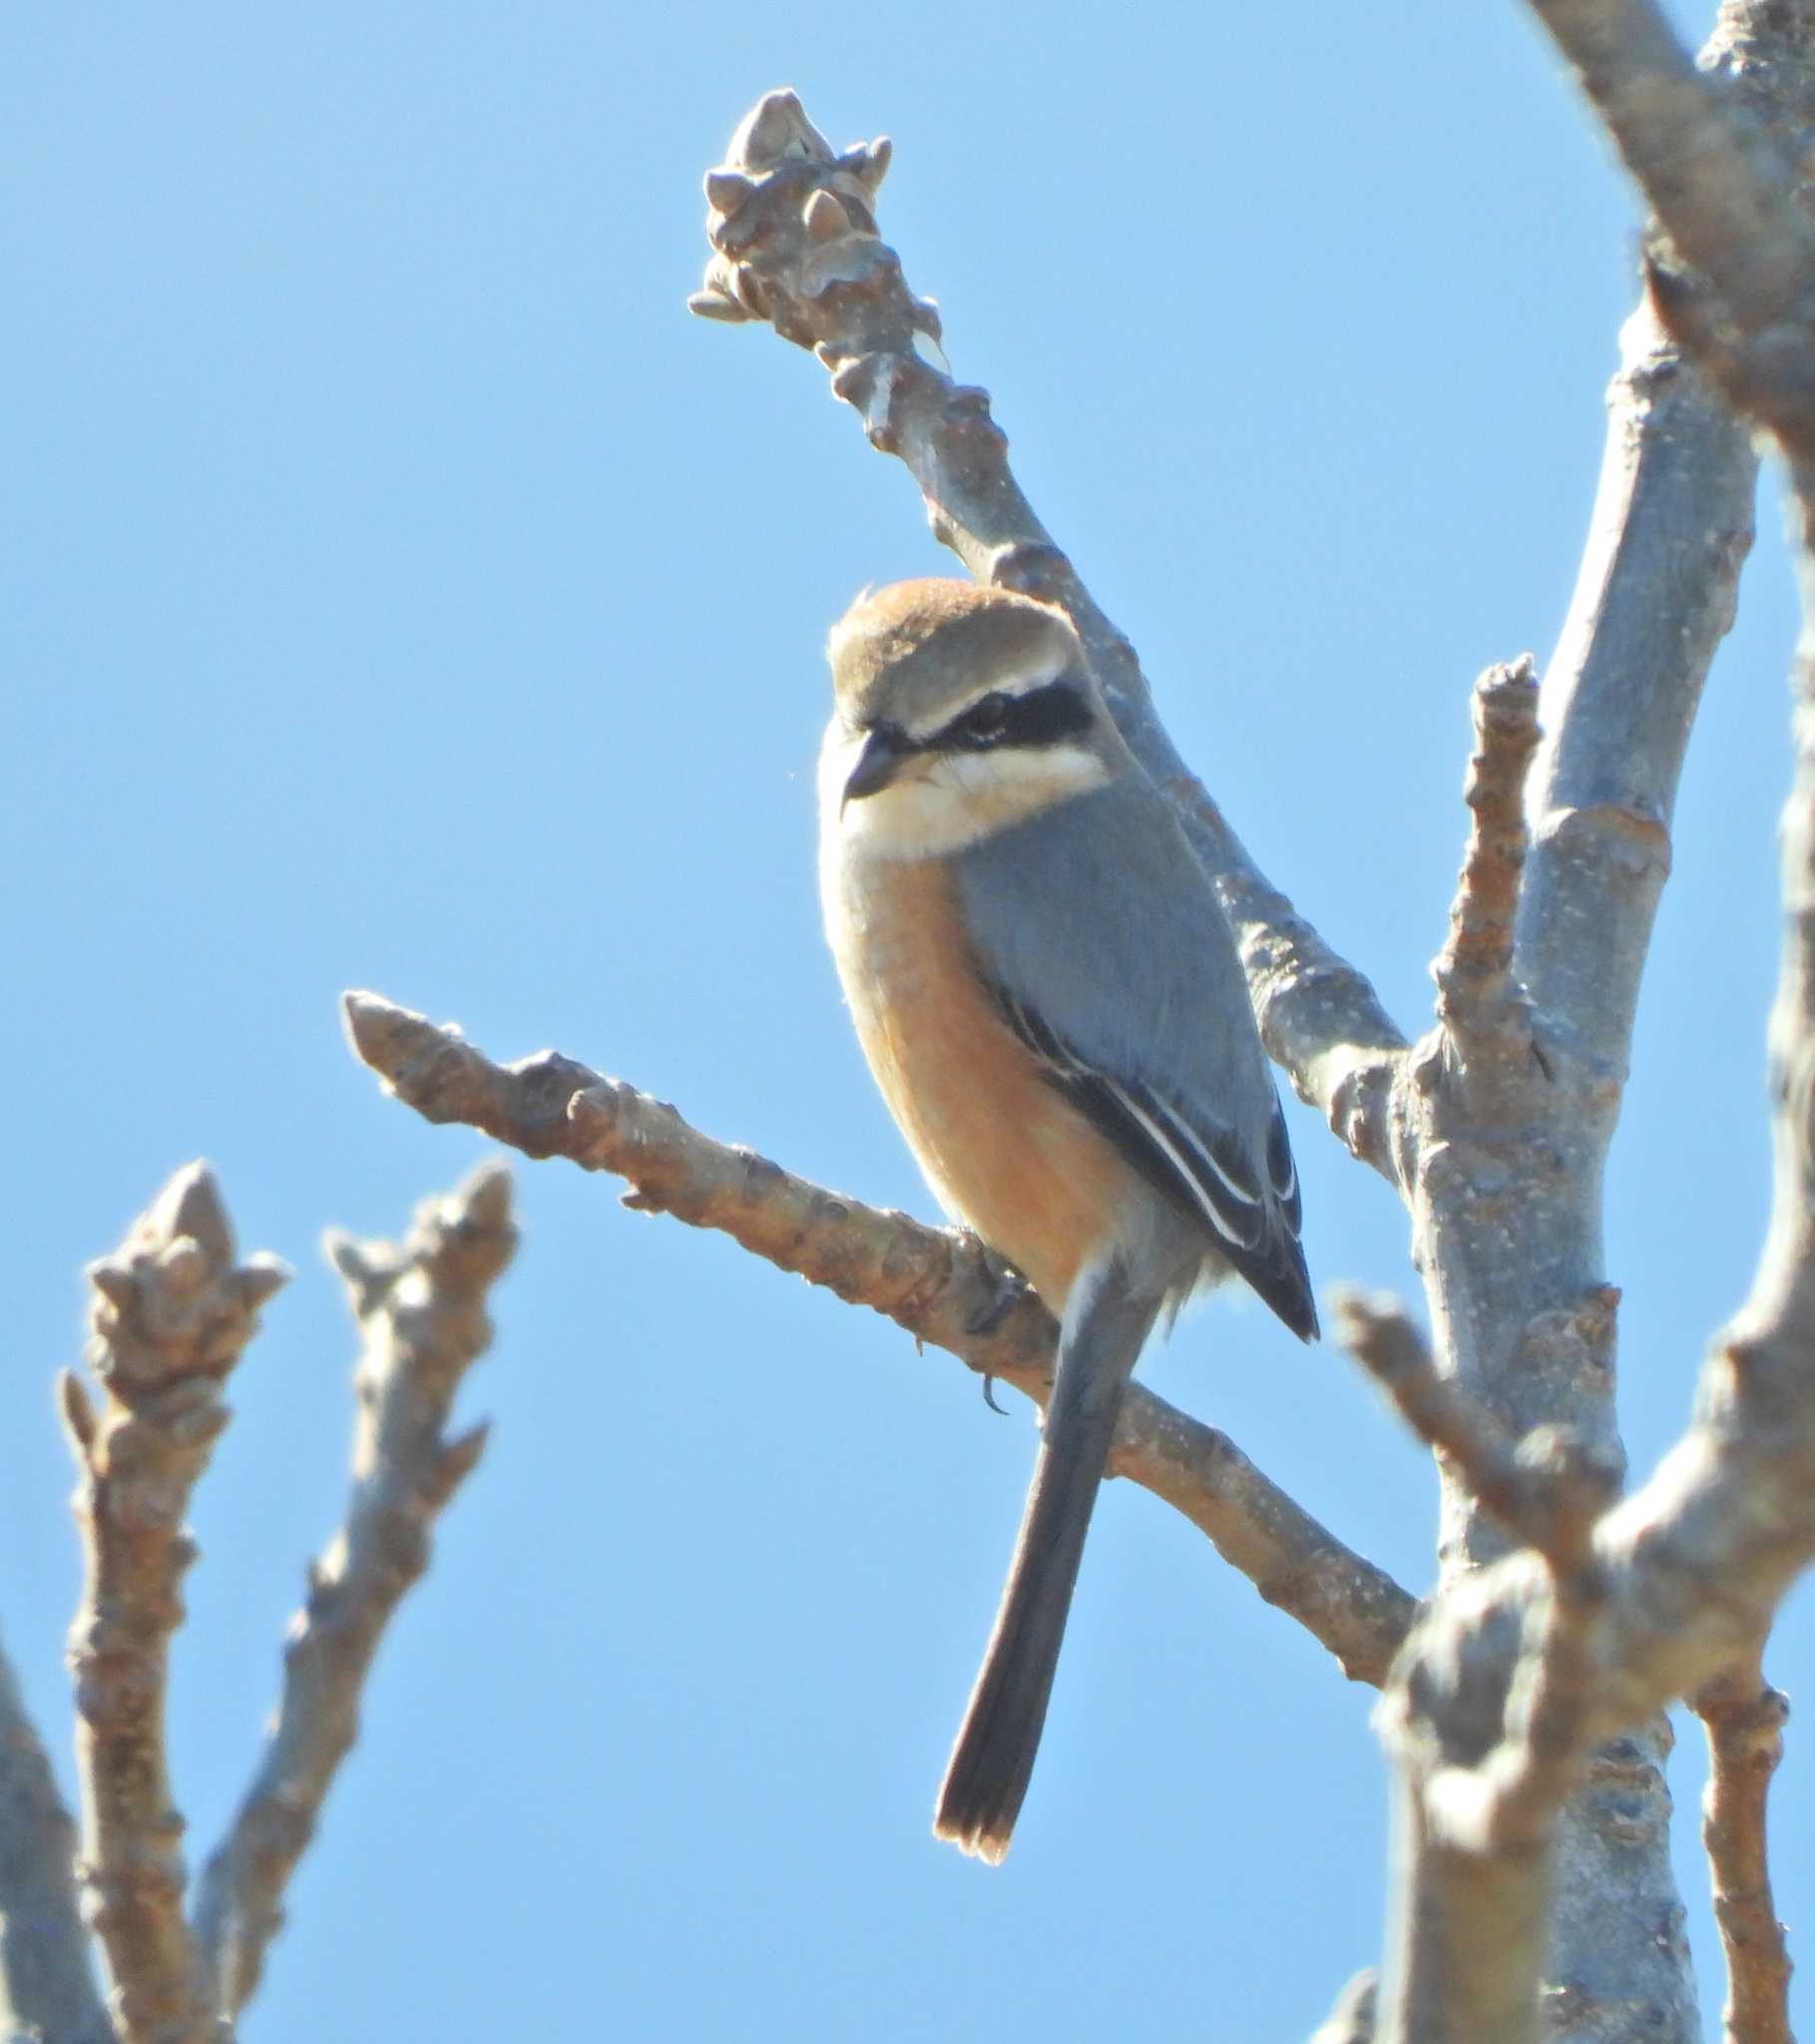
column 941, row 802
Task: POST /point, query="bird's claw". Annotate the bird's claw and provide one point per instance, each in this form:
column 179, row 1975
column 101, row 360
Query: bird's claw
column 1005, row 1287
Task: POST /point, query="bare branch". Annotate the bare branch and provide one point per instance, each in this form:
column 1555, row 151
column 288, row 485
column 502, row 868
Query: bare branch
column 793, row 226
column 1711, row 1542
column 940, row 1285
column 47, row 1985
column 1726, row 199
column 172, row 1314
column 1670, row 531
column 1695, row 1562
column 1723, row 1513
column 1508, row 1212
column 1744, row 1718
column 1508, row 1798
column 1686, row 1572
column 1550, row 1490
column 1671, row 525
column 1476, row 997
column 1378, row 1333
column 422, row 1311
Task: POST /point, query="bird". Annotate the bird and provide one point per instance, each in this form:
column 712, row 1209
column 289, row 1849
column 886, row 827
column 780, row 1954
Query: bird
column 1052, row 1003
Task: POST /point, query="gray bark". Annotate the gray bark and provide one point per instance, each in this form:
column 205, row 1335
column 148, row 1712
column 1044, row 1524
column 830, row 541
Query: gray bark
column 47, row 1984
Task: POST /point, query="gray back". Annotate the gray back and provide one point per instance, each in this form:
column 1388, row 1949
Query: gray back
column 1097, row 930
column 1097, row 914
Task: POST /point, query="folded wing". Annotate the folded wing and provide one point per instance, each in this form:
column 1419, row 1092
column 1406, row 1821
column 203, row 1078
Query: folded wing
column 1255, row 1218
column 1113, row 962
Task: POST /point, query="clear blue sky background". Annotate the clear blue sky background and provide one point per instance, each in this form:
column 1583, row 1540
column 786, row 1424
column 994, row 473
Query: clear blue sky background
column 400, row 590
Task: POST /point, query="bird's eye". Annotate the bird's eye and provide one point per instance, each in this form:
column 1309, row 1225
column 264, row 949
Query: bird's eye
column 987, row 719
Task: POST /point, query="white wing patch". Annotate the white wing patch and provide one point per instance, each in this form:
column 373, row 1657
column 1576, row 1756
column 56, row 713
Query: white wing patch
column 1199, row 1166
column 1231, row 1204
column 1231, row 1209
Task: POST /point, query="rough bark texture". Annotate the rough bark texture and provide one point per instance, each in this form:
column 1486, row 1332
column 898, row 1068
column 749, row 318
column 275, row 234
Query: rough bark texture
column 1505, row 1144
column 173, row 1311
column 938, row 1284
column 421, row 1313
column 1744, row 1718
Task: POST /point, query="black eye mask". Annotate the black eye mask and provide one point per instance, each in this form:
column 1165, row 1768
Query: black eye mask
column 1043, row 716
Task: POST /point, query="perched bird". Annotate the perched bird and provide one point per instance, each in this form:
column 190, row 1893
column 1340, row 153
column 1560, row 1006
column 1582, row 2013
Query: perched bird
column 1051, row 1000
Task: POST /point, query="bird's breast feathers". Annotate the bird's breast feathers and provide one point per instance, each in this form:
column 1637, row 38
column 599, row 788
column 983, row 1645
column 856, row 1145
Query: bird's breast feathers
column 1003, row 1151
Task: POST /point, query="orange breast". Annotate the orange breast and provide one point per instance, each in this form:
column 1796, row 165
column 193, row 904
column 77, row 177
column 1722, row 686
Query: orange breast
column 1003, row 1151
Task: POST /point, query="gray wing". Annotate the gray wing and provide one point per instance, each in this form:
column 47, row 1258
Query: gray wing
column 1111, row 960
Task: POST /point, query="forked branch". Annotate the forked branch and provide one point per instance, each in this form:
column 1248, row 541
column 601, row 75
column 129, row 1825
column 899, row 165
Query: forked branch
column 421, row 1311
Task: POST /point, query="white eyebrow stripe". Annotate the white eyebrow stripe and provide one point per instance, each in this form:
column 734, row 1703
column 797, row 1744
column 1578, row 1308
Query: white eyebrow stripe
column 1025, row 680
column 1013, row 680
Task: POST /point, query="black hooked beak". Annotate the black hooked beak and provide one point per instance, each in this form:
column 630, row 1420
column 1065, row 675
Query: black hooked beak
column 885, row 751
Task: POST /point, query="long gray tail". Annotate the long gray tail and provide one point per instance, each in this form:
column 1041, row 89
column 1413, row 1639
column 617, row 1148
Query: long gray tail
column 993, row 1758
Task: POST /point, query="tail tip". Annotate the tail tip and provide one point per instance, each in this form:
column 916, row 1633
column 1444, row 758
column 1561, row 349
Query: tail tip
column 976, row 1838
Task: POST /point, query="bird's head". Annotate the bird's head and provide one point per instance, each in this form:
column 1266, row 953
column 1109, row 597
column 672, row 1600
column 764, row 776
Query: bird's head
column 958, row 711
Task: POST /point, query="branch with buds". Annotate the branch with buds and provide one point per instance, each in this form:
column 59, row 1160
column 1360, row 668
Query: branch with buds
column 1479, row 1002
column 940, row 1285
column 174, row 1309
column 172, row 1314
column 421, row 1313
column 793, row 231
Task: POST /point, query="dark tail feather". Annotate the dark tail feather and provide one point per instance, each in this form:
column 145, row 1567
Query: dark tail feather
column 993, row 1758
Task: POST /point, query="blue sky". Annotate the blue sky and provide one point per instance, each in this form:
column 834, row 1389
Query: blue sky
column 401, row 591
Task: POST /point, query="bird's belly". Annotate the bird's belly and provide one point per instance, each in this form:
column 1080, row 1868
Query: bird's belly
column 1002, row 1149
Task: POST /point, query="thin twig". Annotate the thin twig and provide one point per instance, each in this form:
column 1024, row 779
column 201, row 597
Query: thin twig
column 1550, row 1489
column 942, row 1286
column 1745, row 1718
column 1476, row 998
column 47, row 1982
column 793, row 230
column 1508, row 1798
column 172, row 1314
column 421, row 1313
column 1379, row 1333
